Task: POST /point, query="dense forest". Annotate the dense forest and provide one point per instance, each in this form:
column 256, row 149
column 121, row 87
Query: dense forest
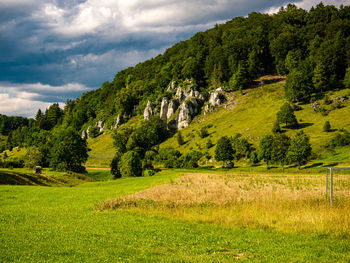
column 311, row 48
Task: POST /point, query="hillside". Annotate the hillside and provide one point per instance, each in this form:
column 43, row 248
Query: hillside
column 251, row 114
column 310, row 48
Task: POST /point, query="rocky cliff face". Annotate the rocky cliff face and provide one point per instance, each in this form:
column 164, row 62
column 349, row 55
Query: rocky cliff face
column 184, row 116
column 164, row 109
column 216, row 99
column 148, row 111
column 172, row 107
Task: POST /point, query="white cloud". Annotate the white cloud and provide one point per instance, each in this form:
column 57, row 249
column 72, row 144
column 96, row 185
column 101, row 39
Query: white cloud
column 26, row 99
column 307, row 4
column 121, row 17
column 38, row 88
column 21, row 106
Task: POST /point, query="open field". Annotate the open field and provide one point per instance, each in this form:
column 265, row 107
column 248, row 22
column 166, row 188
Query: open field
column 287, row 203
column 64, row 224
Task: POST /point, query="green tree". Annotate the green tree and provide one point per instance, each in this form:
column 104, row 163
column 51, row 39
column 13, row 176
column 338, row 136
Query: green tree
column 203, row 132
column 293, row 59
column 33, row 157
column 300, row 149
column 254, row 158
column 115, row 165
column 327, row 127
column 94, row 132
column 130, row 164
column 281, row 144
column 69, row 151
column 276, row 127
column 286, row 115
column 209, row 144
column 223, row 150
column 298, row 86
column 266, row 149
column 239, row 80
column 320, row 78
column 120, row 139
column 346, row 80
column 179, row 138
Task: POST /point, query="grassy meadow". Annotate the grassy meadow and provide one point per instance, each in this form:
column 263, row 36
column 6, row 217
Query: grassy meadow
column 177, row 216
column 251, row 114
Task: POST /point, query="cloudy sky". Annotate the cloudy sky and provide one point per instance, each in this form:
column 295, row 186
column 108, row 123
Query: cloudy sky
column 51, row 50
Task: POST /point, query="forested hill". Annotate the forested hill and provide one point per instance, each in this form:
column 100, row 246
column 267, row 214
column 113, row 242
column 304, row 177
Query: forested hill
column 311, row 48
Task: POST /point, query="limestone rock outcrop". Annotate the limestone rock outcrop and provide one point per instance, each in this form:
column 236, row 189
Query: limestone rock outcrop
column 100, row 125
column 216, row 98
column 148, row 112
column 183, row 116
column 84, row 134
column 172, row 107
column 119, row 121
column 164, row 109
column 171, row 87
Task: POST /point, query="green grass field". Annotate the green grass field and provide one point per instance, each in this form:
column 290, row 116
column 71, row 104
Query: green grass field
column 62, row 224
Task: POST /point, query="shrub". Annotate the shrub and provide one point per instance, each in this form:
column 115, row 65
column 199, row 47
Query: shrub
column 189, row 160
column 179, row 138
column 327, row 127
column 130, row 164
column 168, row 157
column 94, row 132
column 339, row 140
column 209, row 144
column 203, row 132
column 115, row 166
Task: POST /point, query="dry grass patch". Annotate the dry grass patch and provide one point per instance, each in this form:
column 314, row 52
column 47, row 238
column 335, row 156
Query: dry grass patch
column 289, row 203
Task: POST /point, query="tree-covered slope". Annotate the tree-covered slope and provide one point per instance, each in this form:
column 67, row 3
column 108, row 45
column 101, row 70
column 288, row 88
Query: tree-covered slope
column 311, row 48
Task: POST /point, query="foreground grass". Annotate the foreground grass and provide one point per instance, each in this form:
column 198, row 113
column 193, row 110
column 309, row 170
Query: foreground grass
column 23, row 176
column 61, row 224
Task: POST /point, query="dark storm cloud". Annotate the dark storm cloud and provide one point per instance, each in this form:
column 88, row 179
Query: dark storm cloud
column 56, row 49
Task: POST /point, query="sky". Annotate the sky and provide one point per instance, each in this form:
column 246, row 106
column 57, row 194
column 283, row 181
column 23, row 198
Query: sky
column 54, row 50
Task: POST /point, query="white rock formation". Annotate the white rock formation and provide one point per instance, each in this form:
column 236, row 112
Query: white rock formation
column 100, row 125
column 164, row 109
column 171, row 86
column 183, row 116
column 118, row 122
column 172, row 107
column 148, row 111
column 84, row 135
column 216, row 99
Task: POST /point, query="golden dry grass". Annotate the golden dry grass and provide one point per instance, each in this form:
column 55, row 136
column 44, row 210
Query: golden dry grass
column 288, row 203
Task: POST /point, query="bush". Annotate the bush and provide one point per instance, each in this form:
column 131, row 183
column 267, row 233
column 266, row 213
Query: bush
column 168, row 157
column 115, row 166
column 94, row 132
column 209, row 144
column 327, row 127
column 339, row 140
column 130, row 164
column 179, row 138
column 203, row 132
column 189, row 160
